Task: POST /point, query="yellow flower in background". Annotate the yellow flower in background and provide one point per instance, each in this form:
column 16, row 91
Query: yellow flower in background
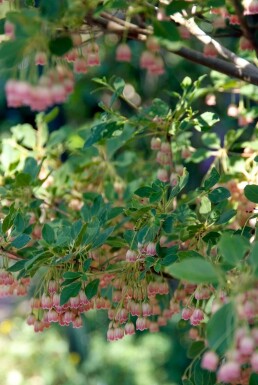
column 6, row 326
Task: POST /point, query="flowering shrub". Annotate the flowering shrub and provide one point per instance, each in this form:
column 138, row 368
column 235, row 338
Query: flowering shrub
column 108, row 226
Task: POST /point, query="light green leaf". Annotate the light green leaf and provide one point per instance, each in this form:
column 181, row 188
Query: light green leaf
column 195, row 270
column 221, row 328
column 205, row 207
column 233, row 248
column 211, row 140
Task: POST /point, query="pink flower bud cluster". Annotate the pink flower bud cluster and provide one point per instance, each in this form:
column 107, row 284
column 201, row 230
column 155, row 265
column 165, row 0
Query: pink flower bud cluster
column 83, row 58
column 51, row 89
column 136, row 299
column 143, row 251
column 186, row 298
column 240, row 363
column 57, row 83
column 164, row 158
column 241, row 360
column 9, row 285
column 247, row 305
column 47, row 308
column 149, row 60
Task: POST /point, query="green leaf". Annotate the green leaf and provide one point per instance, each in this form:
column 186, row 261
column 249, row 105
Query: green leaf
column 195, row 348
column 7, row 222
column 91, row 234
column 17, row 266
column 21, row 241
column 11, row 52
column 176, row 6
column 205, row 207
column 144, row 192
column 208, row 119
column 22, row 180
column 63, row 259
column 194, row 270
column 148, row 233
column 216, row 3
column 221, row 329
column 253, row 379
column 155, row 196
column 233, row 248
column 253, row 257
column 251, row 193
column 53, row 10
column 81, row 235
column 70, row 291
column 2, row 25
column 26, row 22
column 182, row 182
column 119, row 85
column 72, row 274
column 76, row 228
column 92, row 288
column 167, row 255
column 60, row 45
column 48, row 234
column 166, row 30
column 199, row 155
column 219, row 194
column 116, row 142
column 19, row 223
column 157, row 267
column 149, row 261
column 68, row 282
column 130, row 237
column 31, row 167
column 201, row 376
column 48, row 118
column 100, row 240
column 212, row 180
column 226, row 216
column 212, row 237
column 189, row 254
column 100, row 131
column 25, row 134
column 35, row 258
column 86, row 264
column 187, row 382
column 211, row 140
